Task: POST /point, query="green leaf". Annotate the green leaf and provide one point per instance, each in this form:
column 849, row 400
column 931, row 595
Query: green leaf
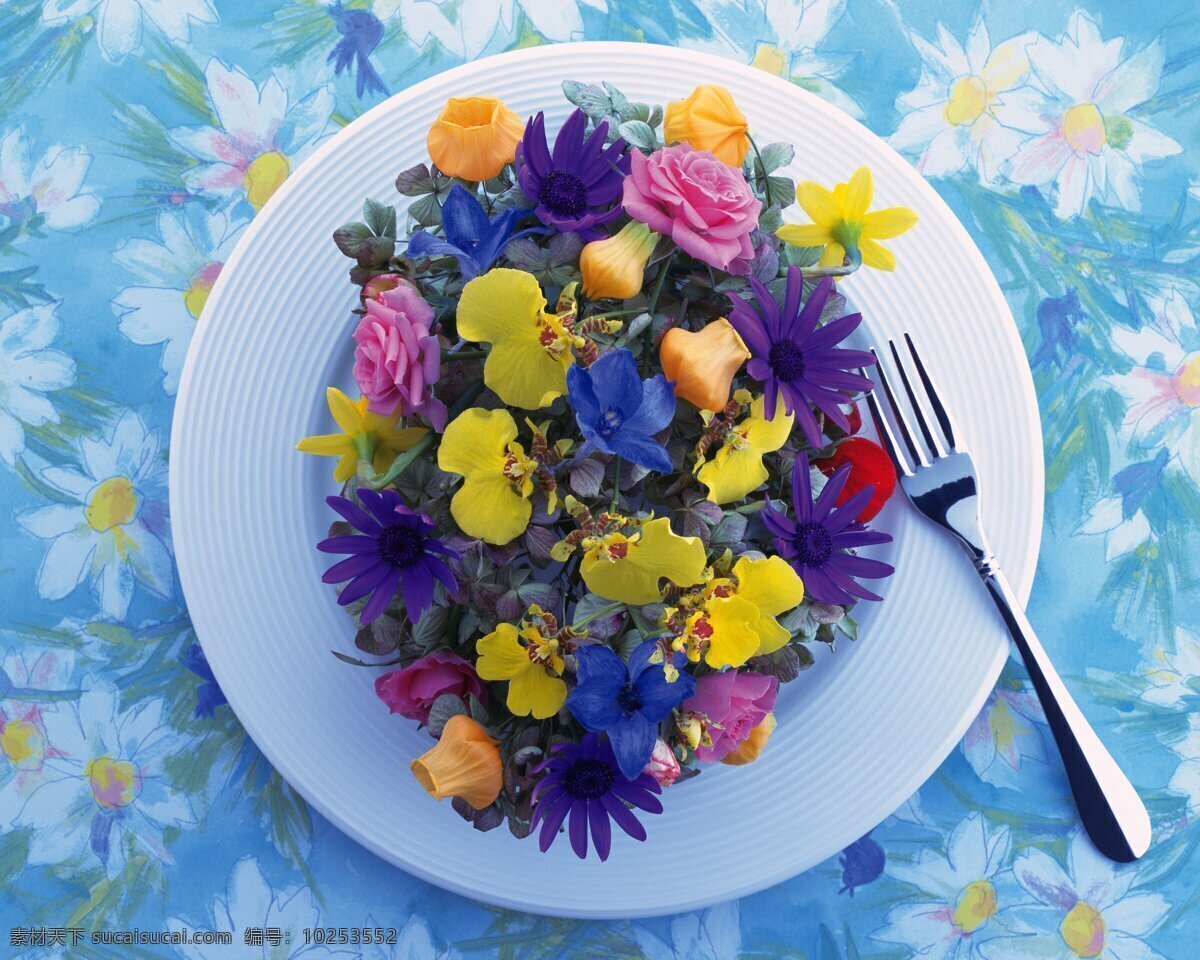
column 640, row 134
column 427, row 211
column 590, row 98
column 776, row 155
column 415, row 181
column 783, row 189
column 380, row 217
column 444, row 707
column 729, row 531
column 801, row 256
column 351, row 238
column 430, row 630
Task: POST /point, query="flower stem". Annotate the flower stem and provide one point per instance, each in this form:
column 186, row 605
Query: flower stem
column 597, row 613
column 401, row 463
column 766, row 179
column 616, row 497
column 450, row 355
column 658, row 284
column 853, row 262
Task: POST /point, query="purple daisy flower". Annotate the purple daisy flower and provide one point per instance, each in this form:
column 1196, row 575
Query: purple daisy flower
column 577, row 187
column 583, row 780
column 397, row 549
column 817, row 541
column 794, row 358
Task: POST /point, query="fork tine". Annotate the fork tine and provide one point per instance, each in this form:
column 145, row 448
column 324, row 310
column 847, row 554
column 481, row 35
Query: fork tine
column 915, row 452
column 939, row 410
column 931, row 442
column 886, row 437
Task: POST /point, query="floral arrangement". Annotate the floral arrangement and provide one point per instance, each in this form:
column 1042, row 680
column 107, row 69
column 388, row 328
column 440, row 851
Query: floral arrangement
column 602, row 488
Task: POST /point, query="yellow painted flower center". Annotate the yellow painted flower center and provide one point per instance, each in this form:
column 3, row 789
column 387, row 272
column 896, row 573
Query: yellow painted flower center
column 114, row 783
column 770, row 58
column 264, row 176
column 1082, row 930
column 1187, row 381
column 196, row 295
column 975, row 905
column 1083, row 126
column 23, row 743
column 1004, row 726
column 968, row 100
column 112, row 503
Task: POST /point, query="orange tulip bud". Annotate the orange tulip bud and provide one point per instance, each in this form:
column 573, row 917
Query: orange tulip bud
column 752, row 746
column 463, row 763
column 474, row 137
column 702, row 364
column 616, row 266
column 709, row 120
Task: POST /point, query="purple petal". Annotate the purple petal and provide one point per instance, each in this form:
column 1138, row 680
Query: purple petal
column 848, row 512
column 833, row 489
column 802, row 502
column 381, row 597
column 360, row 586
column 624, row 817
column 819, row 585
column 601, row 833
column 351, row 567
column 637, row 795
column 349, row 544
column 355, row 515
column 552, row 822
column 578, row 829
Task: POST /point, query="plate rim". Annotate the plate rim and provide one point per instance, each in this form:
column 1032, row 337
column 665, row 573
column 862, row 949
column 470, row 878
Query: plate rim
column 1022, row 580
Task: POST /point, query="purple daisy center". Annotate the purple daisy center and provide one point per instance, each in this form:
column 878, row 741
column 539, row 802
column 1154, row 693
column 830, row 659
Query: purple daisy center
column 787, row 360
column 564, row 194
column 588, row 779
column 814, row 544
column 401, row 546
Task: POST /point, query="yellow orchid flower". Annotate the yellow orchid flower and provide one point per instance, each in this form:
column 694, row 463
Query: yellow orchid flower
column 628, row 568
column 841, row 222
column 365, row 436
column 738, row 467
column 722, row 632
column 531, row 662
column 774, row 588
column 493, row 502
column 531, row 348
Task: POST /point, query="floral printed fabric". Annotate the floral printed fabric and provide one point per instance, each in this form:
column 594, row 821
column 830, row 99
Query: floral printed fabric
column 137, row 140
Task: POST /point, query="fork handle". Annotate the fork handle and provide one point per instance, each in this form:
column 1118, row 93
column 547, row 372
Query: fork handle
column 1112, row 812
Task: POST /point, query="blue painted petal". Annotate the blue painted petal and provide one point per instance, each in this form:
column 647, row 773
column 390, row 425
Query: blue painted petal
column 639, row 660
column 616, row 382
column 423, row 244
column 582, row 394
column 602, row 675
column 643, row 451
column 660, row 697
column 632, row 740
column 657, row 409
column 463, row 217
column 499, row 232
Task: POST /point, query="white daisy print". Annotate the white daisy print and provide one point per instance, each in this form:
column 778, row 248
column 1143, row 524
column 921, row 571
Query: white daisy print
column 1162, row 391
column 1006, row 732
column 1086, row 909
column 262, row 132
column 414, row 941
column 113, row 530
column 250, row 901
column 178, row 272
column 119, row 23
column 24, row 745
column 29, row 370
column 1185, row 781
column 1172, row 675
column 105, row 793
column 962, row 894
column 712, row 934
column 1122, row 534
column 1086, row 141
column 956, row 118
column 49, row 189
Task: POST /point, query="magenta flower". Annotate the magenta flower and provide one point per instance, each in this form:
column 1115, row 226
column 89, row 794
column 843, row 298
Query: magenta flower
column 398, row 360
column 411, row 691
column 731, row 703
column 702, row 204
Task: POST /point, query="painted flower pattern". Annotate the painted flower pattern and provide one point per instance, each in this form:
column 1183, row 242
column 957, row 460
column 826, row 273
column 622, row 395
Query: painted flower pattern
column 30, row 369
column 50, row 188
column 120, row 24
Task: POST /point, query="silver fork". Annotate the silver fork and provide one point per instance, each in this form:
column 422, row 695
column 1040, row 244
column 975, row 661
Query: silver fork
column 939, row 477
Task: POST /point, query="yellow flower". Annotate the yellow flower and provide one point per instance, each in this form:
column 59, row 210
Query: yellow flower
column 709, row 120
column 474, row 137
column 364, row 436
column 628, row 568
column 530, row 661
column 738, row 467
column 722, row 632
column 493, row 502
column 749, row 749
column 841, row 222
column 616, row 266
column 702, row 364
column 531, row 348
column 465, row 762
column 774, row 588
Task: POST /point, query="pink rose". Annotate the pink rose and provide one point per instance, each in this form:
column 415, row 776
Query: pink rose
column 410, row 692
column 702, row 204
column 731, row 704
column 662, row 765
column 397, row 359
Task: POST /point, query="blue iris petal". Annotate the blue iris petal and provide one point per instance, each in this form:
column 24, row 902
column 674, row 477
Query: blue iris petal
column 470, row 236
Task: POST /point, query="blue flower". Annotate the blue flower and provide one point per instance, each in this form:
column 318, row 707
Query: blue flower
column 618, row 413
column 470, row 236
column 361, row 32
column 625, row 702
column 862, row 863
column 209, row 694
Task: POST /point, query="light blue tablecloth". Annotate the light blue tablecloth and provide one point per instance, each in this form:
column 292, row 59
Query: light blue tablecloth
column 133, row 136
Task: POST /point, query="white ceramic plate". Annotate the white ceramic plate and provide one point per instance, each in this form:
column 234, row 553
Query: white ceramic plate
column 857, row 734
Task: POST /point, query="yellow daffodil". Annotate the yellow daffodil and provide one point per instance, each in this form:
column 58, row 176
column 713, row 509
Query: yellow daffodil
column 702, row 364
column 774, row 588
column 738, row 467
column 841, row 222
column 493, row 502
column 628, row 568
column 532, row 663
column 365, row 436
column 751, row 748
column 708, row 119
column 615, row 267
column 531, row 348
column 474, row 137
column 465, row 762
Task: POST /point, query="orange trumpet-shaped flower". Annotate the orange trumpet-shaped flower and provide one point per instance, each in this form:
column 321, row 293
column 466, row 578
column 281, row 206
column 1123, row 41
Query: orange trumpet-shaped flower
column 474, row 137
column 616, row 266
column 709, row 120
column 465, row 763
column 702, row 364
column 749, row 749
